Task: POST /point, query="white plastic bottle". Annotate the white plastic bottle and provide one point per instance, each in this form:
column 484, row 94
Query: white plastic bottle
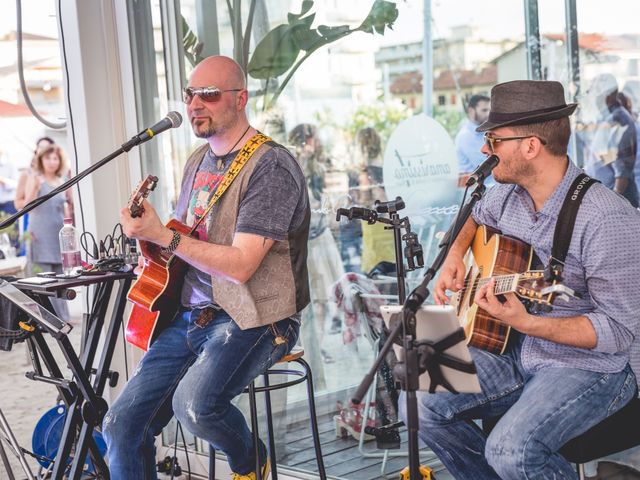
column 69, row 248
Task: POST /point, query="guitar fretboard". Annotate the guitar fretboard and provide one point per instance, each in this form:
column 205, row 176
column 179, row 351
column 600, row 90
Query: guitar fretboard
column 504, row 283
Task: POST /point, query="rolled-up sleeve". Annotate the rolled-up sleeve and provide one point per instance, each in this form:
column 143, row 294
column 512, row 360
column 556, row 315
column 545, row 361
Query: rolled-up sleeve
column 611, row 258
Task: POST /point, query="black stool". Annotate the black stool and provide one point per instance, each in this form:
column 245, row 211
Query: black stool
column 614, row 434
column 302, row 376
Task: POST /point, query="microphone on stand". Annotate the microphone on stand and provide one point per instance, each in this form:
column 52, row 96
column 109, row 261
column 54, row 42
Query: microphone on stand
column 483, row 170
column 357, row 212
column 172, row 120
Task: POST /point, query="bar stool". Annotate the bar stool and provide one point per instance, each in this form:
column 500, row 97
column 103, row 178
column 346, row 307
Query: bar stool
column 303, row 375
column 614, row 434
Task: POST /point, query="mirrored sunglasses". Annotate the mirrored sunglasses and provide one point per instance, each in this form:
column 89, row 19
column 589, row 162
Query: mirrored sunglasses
column 206, row 94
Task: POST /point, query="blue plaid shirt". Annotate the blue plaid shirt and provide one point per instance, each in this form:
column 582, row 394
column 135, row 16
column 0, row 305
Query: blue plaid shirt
column 603, row 265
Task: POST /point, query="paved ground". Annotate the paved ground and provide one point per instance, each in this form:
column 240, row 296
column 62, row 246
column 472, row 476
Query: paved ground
column 24, row 401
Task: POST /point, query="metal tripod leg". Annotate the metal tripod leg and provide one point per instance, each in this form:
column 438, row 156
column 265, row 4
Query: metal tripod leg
column 386, row 454
column 4, row 425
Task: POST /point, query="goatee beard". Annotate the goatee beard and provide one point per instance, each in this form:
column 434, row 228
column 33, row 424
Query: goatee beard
column 206, row 133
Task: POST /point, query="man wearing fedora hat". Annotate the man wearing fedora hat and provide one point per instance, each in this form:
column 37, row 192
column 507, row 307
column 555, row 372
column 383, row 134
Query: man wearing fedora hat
column 563, row 371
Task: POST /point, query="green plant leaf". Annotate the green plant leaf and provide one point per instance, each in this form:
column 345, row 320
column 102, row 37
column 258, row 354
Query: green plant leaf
column 381, row 16
column 306, row 6
column 191, row 45
column 275, row 54
column 306, row 39
column 332, row 34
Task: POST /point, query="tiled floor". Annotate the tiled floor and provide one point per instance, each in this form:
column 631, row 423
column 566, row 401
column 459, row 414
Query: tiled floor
column 343, row 460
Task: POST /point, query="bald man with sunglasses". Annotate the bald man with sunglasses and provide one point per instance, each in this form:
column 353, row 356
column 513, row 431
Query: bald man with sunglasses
column 245, row 286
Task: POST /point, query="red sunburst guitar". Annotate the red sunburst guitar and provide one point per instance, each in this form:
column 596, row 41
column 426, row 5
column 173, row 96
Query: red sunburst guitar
column 493, row 255
column 156, row 292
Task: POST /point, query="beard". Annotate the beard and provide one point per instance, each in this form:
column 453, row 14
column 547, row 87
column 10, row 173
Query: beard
column 204, row 130
column 514, row 170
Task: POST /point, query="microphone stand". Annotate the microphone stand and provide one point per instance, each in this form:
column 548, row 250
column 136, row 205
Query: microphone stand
column 413, row 302
column 125, row 147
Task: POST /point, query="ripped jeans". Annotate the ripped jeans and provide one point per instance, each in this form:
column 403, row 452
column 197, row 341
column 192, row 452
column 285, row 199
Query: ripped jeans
column 193, row 372
column 540, row 413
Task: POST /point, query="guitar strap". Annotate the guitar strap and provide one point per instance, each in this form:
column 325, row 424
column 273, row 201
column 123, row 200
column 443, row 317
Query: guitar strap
column 240, row 160
column 565, row 223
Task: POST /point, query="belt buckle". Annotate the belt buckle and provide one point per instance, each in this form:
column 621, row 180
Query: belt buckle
column 205, row 317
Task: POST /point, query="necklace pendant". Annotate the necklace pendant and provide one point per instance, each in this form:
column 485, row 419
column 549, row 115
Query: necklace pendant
column 219, row 164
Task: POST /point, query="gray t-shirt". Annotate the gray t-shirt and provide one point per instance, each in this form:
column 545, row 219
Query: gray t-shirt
column 274, row 204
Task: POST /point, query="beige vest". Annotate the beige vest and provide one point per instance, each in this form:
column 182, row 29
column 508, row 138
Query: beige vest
column 280, row 286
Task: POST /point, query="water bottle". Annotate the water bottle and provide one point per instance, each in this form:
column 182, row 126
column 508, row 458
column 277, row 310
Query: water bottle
column 69, row 247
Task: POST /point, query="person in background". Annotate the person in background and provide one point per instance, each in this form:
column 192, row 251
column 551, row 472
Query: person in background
column 324, row 262
column 18, row 201
column 631, row 92
column 469, row 142
column 613, row 146
column 378, row 245
column 47, row 219
column 10, row 237
column 8, row 183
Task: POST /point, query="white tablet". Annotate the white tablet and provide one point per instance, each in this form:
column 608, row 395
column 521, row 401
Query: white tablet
column 433, row 323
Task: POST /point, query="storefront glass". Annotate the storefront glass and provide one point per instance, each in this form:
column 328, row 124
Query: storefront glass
column 351, row 111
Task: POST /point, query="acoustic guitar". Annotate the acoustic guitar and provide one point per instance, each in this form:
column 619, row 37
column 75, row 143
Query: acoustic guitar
column 507, row 260
column 156, row 292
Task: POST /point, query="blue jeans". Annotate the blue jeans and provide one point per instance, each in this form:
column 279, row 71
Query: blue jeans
column 194, row 373
column 541, row 412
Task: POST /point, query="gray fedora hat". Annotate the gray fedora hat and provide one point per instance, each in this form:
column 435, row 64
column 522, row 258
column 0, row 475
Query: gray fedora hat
column 522, row 102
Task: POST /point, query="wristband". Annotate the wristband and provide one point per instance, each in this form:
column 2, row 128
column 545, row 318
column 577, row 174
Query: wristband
column 173, row 245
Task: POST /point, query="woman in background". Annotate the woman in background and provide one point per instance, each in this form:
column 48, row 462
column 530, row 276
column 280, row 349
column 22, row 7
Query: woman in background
column 19, row 200
column 47, row 219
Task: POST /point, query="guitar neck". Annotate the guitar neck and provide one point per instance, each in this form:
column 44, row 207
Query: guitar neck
column 504, row 283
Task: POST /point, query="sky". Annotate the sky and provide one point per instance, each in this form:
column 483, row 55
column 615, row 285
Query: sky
column 497, row 18
column 38, row 16
column 505, row 18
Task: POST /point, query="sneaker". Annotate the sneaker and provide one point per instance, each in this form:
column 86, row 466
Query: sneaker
column 266, row 469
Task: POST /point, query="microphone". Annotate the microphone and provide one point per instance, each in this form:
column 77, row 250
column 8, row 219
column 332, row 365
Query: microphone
column 172, row 120
column 483, row 170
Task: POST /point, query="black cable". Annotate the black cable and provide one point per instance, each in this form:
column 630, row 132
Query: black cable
column 94, row 246
column 23, row 84
column 175, row 452
column 457, row 219
column 124, row 348
column 186, row 452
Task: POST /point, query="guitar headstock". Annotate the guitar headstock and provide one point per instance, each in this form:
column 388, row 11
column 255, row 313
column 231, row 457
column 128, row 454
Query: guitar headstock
column 142, row 191
column 541, row 293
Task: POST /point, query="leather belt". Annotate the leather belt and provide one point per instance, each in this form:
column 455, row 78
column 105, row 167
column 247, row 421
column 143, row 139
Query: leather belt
column 206, row 316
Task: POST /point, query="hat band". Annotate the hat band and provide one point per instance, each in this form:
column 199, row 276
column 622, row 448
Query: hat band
column 507, row 117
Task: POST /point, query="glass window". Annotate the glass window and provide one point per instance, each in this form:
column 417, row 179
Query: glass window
column 352, row 114
column 600, row 73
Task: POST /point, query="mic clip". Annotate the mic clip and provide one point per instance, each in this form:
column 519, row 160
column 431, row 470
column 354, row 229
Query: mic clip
column 370, row 216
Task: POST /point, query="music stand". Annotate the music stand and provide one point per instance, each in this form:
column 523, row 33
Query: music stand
column 449, row 364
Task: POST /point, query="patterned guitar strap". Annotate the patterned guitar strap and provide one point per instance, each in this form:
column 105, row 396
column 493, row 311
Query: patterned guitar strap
column 240, row 160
